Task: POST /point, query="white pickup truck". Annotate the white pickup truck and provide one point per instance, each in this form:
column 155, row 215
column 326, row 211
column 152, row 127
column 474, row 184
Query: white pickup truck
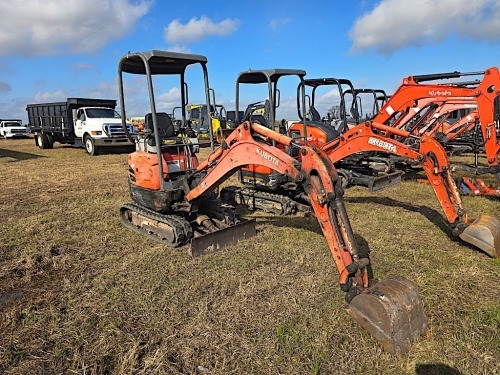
column 13, row 129
column 91, row 123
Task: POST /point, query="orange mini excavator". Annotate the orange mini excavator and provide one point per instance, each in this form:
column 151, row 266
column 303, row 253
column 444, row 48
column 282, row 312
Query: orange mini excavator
column 175, row 201
column 275, row 193
column 406, row 102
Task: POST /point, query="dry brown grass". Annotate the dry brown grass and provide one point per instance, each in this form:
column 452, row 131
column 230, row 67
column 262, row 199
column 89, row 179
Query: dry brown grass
column 80, row 294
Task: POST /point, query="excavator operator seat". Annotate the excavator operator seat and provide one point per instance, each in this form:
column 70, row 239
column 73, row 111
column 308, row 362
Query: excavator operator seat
column 166, row 131
column 315, row 116
column 164, row 122
column 258, row 112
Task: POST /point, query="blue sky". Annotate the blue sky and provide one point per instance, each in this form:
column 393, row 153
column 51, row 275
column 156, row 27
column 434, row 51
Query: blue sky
column 54, row 49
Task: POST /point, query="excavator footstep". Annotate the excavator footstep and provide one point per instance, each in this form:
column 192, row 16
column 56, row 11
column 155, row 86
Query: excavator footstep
column 392, row 311
column 484, row 233
column 216, row 241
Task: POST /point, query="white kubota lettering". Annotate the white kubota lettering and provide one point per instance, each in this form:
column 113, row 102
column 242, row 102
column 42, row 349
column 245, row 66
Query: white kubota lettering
column 382, row 144
column 267, row 156
column 439, row 93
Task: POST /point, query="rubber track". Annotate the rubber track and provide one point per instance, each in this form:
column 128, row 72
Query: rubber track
column 181, row 227
column 288, row 205
column 390, row 166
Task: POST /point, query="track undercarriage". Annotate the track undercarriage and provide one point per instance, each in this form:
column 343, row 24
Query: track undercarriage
column 208, row 229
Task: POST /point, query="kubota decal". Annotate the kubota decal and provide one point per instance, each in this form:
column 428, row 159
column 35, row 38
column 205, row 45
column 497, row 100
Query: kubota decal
column 267, row 156
column 439, row 93
column 382, row 144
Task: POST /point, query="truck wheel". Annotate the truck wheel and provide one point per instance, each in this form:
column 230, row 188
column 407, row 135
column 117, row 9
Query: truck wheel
column 50, row 141
column 90, row 147
column 41, row 140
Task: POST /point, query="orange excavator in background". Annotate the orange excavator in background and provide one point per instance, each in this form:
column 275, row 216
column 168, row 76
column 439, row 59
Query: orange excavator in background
column 175, row 200
column 486, row 93
column 275, row 193
column 476, row 186
column 380, row 135
column 455, row 123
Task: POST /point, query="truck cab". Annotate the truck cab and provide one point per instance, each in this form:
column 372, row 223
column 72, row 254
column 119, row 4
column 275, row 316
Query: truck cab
column 13, row 129
column 98, row 127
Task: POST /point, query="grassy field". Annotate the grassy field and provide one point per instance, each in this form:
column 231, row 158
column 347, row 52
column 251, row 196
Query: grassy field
column 79, row 294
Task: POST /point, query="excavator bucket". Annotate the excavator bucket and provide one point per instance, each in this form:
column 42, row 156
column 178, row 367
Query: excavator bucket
column 484, row 233
column 217, row 240
column 392, row 311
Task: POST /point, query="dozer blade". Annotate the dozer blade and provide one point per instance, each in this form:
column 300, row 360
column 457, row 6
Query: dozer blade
column 376, row 183
column 385, row 181
column 218, row 240
column 484, row 233
column 392, row 311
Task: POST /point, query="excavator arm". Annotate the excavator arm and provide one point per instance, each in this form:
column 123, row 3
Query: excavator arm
column 402, row 105
column 315, row 172
column 483, row 233
column 392, row 309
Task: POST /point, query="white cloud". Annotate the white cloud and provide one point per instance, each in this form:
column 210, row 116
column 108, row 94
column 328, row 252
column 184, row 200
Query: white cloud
column 51, row 27
column 329, row 96
column 103, row 90
column 168, row 100
column 47, row 97
column 82, row 66
column 179, row 48
column 276, row 23
column 198, row 29
column 15, row 108
column 395, row 24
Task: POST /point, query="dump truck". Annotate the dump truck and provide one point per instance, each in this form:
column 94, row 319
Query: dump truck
column 89, row 123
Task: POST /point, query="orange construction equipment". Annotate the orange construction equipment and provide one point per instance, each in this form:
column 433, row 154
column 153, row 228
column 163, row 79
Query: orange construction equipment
column 384, row 138
column 372, row 136
column 175, row 201
column 485, row 93
column 476, row 186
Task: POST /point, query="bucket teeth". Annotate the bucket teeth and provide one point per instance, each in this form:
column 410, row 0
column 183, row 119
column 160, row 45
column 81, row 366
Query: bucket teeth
column 392, row 311
column 484, row 233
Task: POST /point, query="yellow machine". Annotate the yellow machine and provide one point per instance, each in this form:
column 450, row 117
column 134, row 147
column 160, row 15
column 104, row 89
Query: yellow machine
column 201, row 119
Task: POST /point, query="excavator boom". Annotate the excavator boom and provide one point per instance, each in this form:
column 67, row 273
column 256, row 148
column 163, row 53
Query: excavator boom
column 483, row 233
column 485, row 93
column 392, row 310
